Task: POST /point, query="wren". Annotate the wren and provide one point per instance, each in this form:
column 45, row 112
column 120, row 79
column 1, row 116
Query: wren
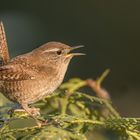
column 30, row 77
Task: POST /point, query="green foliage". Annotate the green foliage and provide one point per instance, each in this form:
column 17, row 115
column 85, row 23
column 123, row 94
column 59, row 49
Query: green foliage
column 70, row 115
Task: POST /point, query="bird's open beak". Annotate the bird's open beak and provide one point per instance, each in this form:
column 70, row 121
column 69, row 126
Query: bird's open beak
column 75, row 54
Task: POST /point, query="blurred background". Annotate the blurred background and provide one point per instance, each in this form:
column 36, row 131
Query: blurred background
column 109, row 30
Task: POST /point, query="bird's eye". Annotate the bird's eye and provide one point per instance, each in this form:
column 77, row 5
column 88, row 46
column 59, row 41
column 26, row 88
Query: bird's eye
column 59, row 52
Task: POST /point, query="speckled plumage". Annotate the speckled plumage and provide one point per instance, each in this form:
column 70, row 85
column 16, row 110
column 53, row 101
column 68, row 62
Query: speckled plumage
column 29, row 77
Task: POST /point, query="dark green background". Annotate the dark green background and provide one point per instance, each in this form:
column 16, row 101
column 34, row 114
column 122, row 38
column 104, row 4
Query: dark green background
column 110, row 31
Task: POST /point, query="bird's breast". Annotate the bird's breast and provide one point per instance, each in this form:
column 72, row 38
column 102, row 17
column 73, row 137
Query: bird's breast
column 32, row 90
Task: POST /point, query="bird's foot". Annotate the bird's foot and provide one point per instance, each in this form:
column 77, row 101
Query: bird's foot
column 33, row 111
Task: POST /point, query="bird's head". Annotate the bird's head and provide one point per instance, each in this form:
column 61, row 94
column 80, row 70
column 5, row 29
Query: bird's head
column 57, row 54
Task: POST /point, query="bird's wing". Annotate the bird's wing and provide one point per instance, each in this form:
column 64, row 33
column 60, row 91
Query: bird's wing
column 4, row 53
column 15, row 73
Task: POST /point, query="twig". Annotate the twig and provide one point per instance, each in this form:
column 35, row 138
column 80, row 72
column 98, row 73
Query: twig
column 95, row 85
column 88, row 121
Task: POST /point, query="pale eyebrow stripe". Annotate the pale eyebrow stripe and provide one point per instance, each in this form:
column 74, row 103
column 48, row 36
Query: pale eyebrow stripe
column 51, row 50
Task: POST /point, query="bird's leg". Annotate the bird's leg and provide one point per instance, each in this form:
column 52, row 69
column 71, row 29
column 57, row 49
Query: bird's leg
column 18, row 108
column 33, row 112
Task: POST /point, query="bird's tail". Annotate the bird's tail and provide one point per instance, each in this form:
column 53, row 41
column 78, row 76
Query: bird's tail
column 4, row 53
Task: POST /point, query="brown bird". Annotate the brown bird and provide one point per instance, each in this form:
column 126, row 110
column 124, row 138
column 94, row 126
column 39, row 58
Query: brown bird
column 28, row 78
